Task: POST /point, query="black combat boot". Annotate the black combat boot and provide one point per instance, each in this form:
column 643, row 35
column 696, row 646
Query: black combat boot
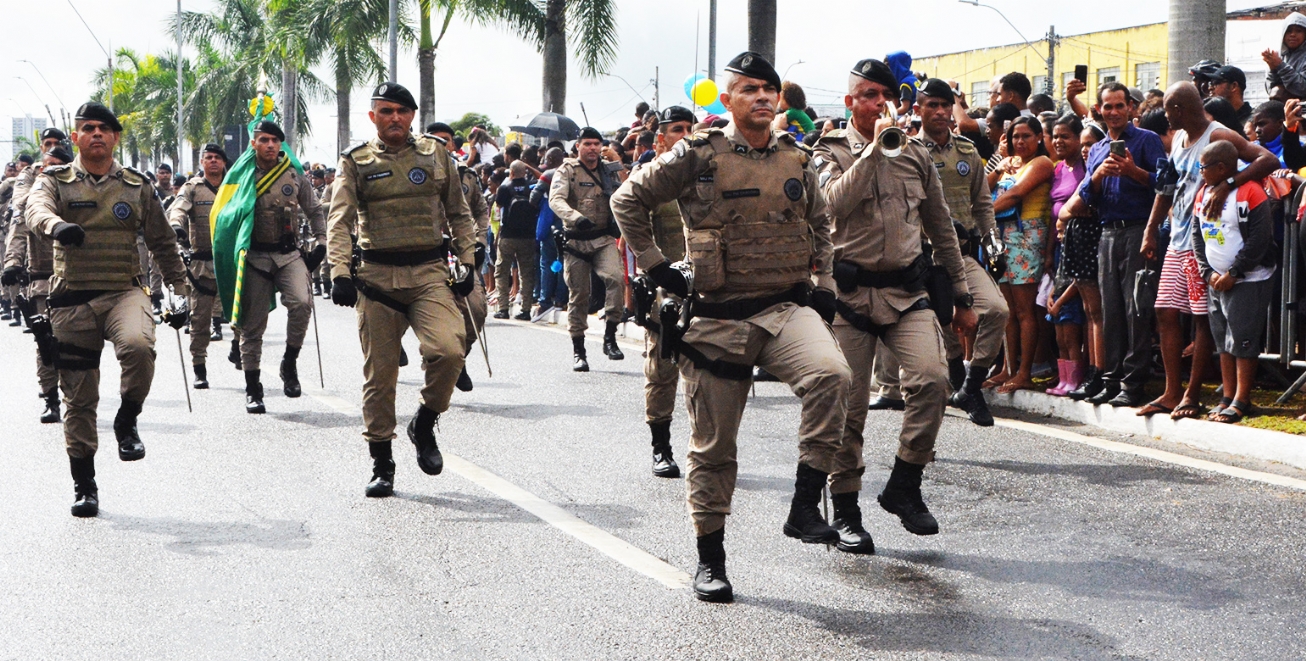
column 970, row 398
column 253, row 393
column 18, row 318
column 853, row 538
column 326, row 289
column 664, row 465
column 710, row 581
column 216, row 335
column 1091, row 386
column 805, row 520
column 201, row 376
column 610, row 348
column 5, row 312
column 421, row 431
column 383, row 471
column 51, row 413
column 317, row 287
column 902, row 496
column 403, row 357
column 290, row 372
column 464, row 382
column 579, row 363
column 130, row 447
column 882, row 403
column 88, row 495
column 956, row 372
column 234, row 354
column 1110, row 389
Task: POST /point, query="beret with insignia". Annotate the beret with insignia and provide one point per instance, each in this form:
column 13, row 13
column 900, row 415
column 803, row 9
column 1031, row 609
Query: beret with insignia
column 753, row 65
column 62, row 154
column 590, row 133
column 53, row 132
column 212, row 148
column 877, row 72
column 394, row 93
column 271, row 129
column 96, row 112
column 938, row 89
column 675, row 114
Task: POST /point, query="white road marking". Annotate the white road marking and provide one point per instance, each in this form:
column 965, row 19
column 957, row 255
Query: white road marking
column 602, row 541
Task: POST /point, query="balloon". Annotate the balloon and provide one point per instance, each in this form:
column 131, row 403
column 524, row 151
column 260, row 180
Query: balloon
column 705, row 92
column 689, row 84
column 556, row 266
column 716, row 108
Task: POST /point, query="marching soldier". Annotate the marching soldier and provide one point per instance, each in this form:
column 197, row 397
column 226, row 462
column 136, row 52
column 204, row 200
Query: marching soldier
column 971, row 204
column 9, row 293
column 884, row 200
column 189, row 216
column 756, row 230
column 397, row 191
column 93, row 209
column 275, row 264
column 579, row 195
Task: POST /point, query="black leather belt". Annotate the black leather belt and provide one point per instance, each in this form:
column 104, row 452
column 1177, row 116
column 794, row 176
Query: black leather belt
column 74, row 298
column 37, row 277
column 587, row 235
column 277, row 247
column 203, row 255
column 850, row 276
column 405, row 258
column 1122, row 224
column 750, row 307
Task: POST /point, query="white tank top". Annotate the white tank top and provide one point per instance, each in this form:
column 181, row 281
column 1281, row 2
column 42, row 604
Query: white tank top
column 1187, row 160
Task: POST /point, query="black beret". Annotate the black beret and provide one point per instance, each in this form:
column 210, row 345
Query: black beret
column 178, row 180
column 271, row 129
column 754, row 65
column 25, row 159
column 877, row 72
column 590, row 133
column 53, row 132
column 938, row 89
column 394, row 93
column 164, row 166
column 62, row 154
column 676, row 114
column 97, row 112
column 318, row 173
column 212, row 148
column 330, row 170
column 439, row 127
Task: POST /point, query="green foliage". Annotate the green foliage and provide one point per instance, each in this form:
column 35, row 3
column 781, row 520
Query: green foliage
column 465, row 123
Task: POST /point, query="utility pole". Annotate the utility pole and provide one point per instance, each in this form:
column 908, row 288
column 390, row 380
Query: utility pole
column 656, row 78
column 394, row 40
column 711, row 40
column 761, row 28
column 181, row 114
column 1196, row 33
column 1050, row 85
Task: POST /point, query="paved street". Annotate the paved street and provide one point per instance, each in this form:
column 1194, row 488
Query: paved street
column 242, row 537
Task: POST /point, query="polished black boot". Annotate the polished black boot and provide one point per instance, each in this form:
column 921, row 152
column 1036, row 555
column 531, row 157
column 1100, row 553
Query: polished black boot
column 326, row 289
column 970, row 398
column 87, row 503
column 610, row 348
column 5, row 312
column 853, row 538
column 805, row 520
column 421, row 431
column 902, row 497
column 956, row 373
column 253, row 393
column 664, row 465
column 216, row 335
column 383, row 471
column 1110, row 389
column 51, row 413
column 1089, row 387
column 879, row 403
column 579, row 364
column 290, row 372
column 234, row 355
column 201, row 376
column 710, row 581
column 403, row 357
column 18, row 318
column 464, row 382
column 130, row 447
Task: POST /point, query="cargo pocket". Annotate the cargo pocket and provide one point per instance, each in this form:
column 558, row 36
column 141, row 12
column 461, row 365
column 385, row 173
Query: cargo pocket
column 75, row 319
column 707, row 255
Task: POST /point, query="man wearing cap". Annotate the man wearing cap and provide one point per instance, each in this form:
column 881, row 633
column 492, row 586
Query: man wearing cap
column 957, row 162
column 398, row 191
column 883, row 206
column 322, row 274
column 1229, row 82
column 189, row 216
column 30, row 258
column 1203, row 74
column 92, row 209
column 580, row 196
column 756, row 232
column 275, row 264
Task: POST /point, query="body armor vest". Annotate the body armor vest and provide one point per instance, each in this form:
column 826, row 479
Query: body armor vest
column 399, row 195
column 956, row 186
column 586, row 194
column 669, row 231
column 201, row 203
column 276, row 213
column 111, row 214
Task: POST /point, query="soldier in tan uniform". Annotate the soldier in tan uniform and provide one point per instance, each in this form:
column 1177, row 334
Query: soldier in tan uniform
column 580, row 196
column 884, row 204
column 29, row 257
column 9, row 293
column 275, row 264
column 398, row 191
column 93, row 209
column 757, row 231
column 189, row 216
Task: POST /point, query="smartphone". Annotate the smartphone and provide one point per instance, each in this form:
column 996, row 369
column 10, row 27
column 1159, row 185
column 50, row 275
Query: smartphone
column 1081, row 73
column 1301, row 110
column 1118, row 147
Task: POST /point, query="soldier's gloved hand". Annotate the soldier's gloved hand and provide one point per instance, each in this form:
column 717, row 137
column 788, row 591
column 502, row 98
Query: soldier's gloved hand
column 462, row 280
column 823, row 302
column 314, row 259
column 584, row 224
column 669, row 279
column 69, row 234
column 181, row 235
column 480, row 255
column 343, row 292
column 177, row 318
column 11, row 275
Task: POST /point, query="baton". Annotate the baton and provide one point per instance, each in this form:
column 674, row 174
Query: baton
column 181, row 357
column 317, row 341
column 480, row 339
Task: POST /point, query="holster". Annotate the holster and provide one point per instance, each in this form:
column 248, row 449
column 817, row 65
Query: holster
column 645, row 293
column 938, row 285
column 46, row 346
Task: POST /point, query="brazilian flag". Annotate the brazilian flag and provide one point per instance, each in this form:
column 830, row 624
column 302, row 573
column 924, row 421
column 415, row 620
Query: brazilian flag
column 231, row 221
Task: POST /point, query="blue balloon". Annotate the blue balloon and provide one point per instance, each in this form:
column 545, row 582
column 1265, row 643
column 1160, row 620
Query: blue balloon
column 717, row 108
column 556, row 266
column 689, row 84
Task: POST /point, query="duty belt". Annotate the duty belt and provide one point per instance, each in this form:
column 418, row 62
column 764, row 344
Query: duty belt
column 195, row 283
column 202, row 255
column 379, row 296
column 74, row 298
column 850, row 276
column 588, row 235
column 406, row 258
column 751, row 307
column 864, row 324
column 288, row 244
column 38, row 276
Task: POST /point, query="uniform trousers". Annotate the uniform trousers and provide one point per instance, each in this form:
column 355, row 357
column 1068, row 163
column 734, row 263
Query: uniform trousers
column 265, row 275
column 917, row 342
column 795, row 345
column 124, row 319
column 526, row 255
column 201, row 305
column 605, row 261
column 661, row 376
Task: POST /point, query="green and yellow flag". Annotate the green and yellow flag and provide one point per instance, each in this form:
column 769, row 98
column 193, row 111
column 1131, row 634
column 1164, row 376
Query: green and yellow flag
column 231, row 222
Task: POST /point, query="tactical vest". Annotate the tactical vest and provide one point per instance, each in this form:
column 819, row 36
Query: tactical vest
column 399, row 205
column 586, row 196
column 40, row 254
column 276, row 213
column 201, row 203
column 957, row 171
column 111, row 214
column 749, row 233
column 669, row 231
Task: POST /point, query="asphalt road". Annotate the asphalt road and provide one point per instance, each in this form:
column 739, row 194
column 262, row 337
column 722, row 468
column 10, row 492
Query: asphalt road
column 242, row 537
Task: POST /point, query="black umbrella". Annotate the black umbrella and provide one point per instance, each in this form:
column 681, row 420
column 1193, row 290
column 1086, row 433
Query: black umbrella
column 550, row 126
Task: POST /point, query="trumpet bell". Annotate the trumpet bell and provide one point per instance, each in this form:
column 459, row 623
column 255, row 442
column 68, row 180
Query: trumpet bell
column 891, row 141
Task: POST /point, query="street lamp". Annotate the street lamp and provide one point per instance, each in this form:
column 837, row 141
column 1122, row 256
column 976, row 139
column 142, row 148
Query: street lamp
column 107, row 56
column 53, row 122
column 63, row 107
column 1052, row 42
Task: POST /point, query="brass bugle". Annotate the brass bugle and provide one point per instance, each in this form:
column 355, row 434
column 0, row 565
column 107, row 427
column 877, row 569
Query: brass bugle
column 891, row 141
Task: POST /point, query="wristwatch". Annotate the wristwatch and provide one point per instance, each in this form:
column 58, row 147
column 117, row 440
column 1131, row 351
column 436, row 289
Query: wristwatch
column 963, row 301
column 1233, row 185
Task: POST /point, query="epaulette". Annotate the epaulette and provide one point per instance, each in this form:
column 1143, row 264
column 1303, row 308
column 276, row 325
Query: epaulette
column 436, row 137
column 132, row 177
column 704, row 137
column 915, row 140
column 426, row 144
column 836, row 134
column 965, row 146
column 366, row 156
column 353, row 148
column 62, row 173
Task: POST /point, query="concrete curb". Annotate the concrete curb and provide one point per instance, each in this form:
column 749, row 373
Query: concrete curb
column 1262, row 444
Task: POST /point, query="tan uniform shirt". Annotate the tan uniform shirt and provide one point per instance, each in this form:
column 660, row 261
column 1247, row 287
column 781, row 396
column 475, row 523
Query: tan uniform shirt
column 190, row 211
column 20, row 248
column 964, row 185
column 276, row 213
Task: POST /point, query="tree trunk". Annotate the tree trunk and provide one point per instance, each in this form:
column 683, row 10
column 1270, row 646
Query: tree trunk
column 343, row 89
column 426, row 76
column 289, row 80
column 1196, row 33
column 555, row 57
column 761, row 28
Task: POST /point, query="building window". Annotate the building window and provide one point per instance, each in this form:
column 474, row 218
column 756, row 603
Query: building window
column 1149, row 75
column 1040, row 84
column 979, row 93
column 1107, row 75
column 1066, row 77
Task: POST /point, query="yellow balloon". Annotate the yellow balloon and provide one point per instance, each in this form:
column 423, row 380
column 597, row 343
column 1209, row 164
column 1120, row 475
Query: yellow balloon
column 267, row 106
column 704, row 92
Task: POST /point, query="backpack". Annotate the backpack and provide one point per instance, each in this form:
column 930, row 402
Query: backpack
column 519, row 219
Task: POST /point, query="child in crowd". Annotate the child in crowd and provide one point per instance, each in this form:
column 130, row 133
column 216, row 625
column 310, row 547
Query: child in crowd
column 1066, row 313
column 1234, row 256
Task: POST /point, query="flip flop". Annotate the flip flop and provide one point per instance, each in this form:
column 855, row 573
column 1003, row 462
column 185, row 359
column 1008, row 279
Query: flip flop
column 1232, row 414
column 1218, row 409
column 1153, row 408
column 1190, row 410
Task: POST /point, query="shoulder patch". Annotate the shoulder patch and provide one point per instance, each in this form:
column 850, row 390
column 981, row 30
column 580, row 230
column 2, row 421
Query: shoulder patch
column 131, row 176
column 361, row 153
column 701, row 138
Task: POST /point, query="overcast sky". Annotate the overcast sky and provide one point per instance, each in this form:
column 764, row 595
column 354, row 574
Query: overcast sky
column 486, row 70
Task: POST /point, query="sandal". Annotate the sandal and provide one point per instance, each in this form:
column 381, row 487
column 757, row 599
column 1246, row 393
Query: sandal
column 1012, row 385
column 996, row 380
column 1152, row 408
column 1218, row 409
column 1234, row 413
column 1187, row 409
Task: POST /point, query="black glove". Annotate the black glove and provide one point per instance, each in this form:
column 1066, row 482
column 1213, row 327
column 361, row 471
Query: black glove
column 823, row 302
column 669, row 279
column 181, row 236
column 177, row 318
column 69, row 234
column 463, row 280
column 584, row 224
column 11, row 276
column 314, row 259
column 480, row 255
column 343, row 292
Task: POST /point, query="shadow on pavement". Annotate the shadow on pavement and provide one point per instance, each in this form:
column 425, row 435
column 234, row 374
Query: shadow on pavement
column 320, row 420
column 202, row 538
column 475, row 510
column 1111, row 475
column 532, row 411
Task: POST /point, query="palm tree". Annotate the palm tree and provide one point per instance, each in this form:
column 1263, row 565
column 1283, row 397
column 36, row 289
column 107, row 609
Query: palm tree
column 592, row 26
column 347, row 33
